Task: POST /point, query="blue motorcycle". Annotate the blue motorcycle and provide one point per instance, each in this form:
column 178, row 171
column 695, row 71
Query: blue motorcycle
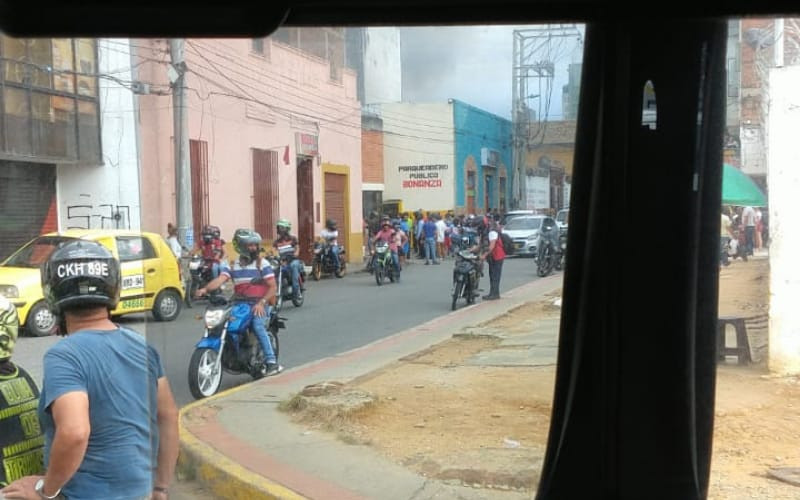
column 229, row 344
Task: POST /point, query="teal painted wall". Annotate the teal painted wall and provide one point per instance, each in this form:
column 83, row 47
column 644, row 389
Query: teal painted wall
column 476, row 129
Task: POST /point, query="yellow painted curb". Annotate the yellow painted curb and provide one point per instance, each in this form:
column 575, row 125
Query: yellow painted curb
column 225, row 478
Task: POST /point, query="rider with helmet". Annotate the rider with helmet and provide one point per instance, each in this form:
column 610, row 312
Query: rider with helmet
column 394, row 238
column 212, row 248
column 254, row 280
column 288, row 244
column 331, row 236
column 19, row 423
column 105, row 403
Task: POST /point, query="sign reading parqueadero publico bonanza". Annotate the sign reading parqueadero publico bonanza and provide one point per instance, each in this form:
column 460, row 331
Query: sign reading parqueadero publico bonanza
column 422, row 176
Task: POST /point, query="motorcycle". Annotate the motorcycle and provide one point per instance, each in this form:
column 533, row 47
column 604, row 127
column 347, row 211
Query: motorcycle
column 323, row 262
column 229, row 344
column 199, row 276
column 383, row 265
column 465, row 277
column 283, row 277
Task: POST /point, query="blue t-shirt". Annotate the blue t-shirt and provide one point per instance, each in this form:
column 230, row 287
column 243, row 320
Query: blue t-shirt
column 119, row 372
column 429, row 229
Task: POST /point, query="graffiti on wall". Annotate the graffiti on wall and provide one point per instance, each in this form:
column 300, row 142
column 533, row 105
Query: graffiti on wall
column 105, row 216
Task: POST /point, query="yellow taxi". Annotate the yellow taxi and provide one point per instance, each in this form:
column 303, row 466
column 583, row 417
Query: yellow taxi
column 151, row 278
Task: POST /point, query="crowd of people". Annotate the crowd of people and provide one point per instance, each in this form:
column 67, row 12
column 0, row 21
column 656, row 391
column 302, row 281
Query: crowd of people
column 742, row 231
column 433, row 237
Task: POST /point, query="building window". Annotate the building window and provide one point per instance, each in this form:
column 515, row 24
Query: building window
column 50, row 98
column 258, row 45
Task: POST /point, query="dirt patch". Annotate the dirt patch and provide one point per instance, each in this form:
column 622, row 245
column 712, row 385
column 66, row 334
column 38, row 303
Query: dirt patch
column 428, row 411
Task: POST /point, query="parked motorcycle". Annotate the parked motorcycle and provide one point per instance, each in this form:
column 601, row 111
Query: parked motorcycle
column 383, row 265
column 323, row 262
column 283, row 277
column 465, row 277
column 547, row 253
column 199, row 276
column 229, row 344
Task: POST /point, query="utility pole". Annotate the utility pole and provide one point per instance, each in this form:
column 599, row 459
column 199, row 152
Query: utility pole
column 180, row 115
column 535, row 53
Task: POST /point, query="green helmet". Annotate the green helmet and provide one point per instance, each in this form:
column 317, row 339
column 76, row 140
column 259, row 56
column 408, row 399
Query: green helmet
column 284, row 226
column 9, row 328
column 244, row 237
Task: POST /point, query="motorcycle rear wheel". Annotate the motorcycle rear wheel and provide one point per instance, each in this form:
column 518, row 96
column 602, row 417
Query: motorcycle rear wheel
column 339, row 273
column 205, row 375
column 545, row 264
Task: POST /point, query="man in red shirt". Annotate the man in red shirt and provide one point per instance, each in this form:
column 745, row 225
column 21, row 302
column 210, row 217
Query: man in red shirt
column 494, row 256
column 212, row 248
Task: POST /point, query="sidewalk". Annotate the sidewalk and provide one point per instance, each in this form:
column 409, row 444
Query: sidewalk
column 238, row 445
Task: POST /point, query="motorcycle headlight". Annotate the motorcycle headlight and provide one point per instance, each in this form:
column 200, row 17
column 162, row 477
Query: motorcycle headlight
column 214, row 317
column 9, row 291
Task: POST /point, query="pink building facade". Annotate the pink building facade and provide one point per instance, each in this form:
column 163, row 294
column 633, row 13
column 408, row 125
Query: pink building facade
column 274, row 133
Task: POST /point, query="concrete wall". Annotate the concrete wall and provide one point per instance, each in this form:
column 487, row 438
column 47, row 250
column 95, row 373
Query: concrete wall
column 784, row 212
column 419, row 135
column 239, row 101
column 116, row 181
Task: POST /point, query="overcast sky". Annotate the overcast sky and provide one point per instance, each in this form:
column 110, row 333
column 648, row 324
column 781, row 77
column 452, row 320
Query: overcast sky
column 473, row 64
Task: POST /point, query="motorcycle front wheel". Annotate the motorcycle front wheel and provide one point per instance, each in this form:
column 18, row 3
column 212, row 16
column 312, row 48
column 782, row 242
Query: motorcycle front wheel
column 316, row 270
column 545, row 264
column 379, row 275
column 458, row 289
column 205, row 373
column 298, row 301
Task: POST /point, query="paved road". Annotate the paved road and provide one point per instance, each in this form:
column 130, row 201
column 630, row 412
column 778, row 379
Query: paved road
column 338, row 315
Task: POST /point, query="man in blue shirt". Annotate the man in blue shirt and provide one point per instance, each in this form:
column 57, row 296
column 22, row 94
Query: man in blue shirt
column 429, row 232
column 110, row 421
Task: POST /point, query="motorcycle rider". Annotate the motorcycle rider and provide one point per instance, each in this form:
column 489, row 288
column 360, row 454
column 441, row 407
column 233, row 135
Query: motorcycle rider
column 282, row 244
column 254, row 279
column 331, row 234
column 394, row 238
column 212, row 247
column 20, row 430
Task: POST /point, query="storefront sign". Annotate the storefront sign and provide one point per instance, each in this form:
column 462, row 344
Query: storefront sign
column 306, row 144
column 421, row 176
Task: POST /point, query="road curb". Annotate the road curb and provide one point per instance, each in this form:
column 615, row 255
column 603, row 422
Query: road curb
column 222, row 476
column 227, row 479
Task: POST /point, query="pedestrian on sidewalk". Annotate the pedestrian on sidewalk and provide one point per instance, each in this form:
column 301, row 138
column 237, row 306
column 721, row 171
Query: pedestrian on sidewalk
column 109, row 418
column 441, row 229
column 20, row 431
column 495, row 255
column 172, row 240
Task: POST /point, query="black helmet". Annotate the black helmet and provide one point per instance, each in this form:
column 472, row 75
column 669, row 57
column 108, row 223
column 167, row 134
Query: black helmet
column 209, row 233
column 244, row 237
column 80, row 273
column 330, row 224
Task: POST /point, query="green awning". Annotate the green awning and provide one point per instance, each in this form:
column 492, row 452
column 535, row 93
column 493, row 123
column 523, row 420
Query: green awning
column 739, row 189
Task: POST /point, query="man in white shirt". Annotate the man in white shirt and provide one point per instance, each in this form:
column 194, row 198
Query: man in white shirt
column 441, row 227
column 172, row 240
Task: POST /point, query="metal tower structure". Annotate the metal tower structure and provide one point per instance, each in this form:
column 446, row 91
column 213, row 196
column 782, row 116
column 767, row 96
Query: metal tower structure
column 536, row 52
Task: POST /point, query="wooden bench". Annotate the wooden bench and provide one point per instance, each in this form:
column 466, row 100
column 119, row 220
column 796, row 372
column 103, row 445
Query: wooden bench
column 740, row 325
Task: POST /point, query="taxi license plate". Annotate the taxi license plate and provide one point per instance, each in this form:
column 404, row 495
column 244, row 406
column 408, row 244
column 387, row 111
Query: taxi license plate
column 518, row 245
column 133, row 304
